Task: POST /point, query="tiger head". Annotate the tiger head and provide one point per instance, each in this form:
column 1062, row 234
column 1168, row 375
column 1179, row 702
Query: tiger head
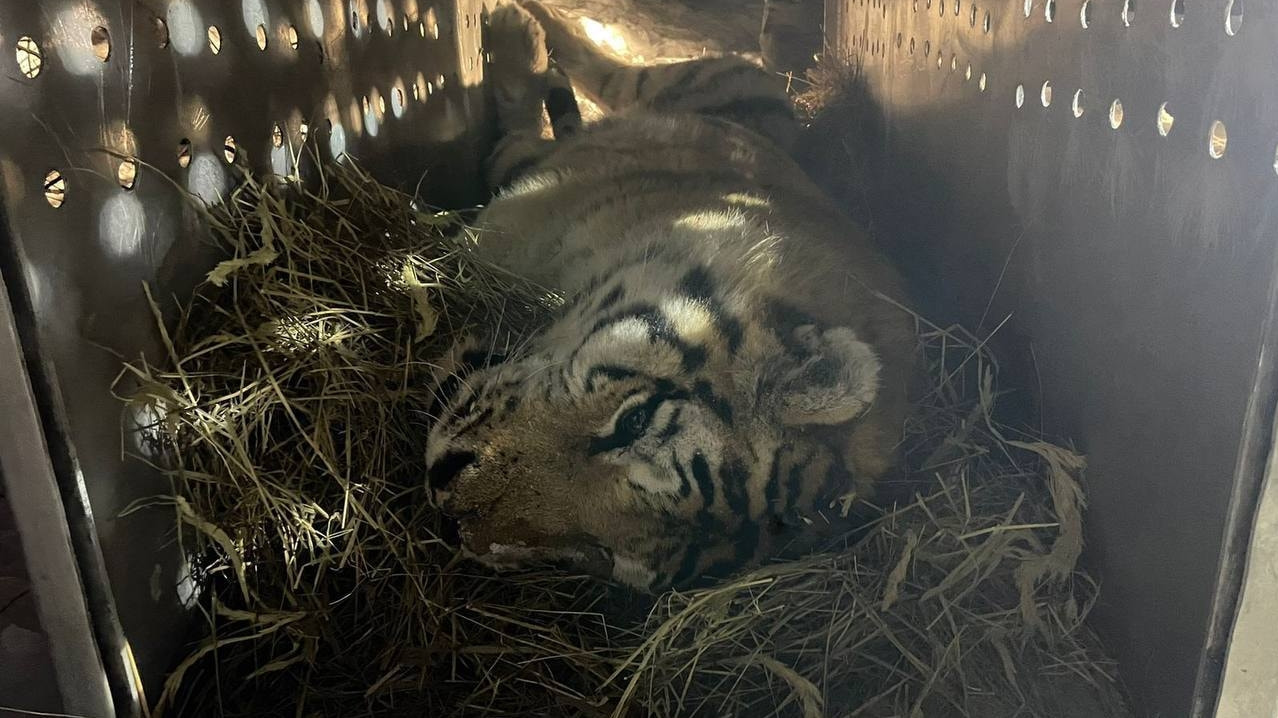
column 663, row 428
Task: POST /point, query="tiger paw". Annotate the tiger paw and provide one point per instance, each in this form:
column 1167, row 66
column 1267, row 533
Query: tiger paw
column 517, row 73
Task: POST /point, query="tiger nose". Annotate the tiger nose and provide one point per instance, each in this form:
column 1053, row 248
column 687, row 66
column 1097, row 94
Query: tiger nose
column 440, row 475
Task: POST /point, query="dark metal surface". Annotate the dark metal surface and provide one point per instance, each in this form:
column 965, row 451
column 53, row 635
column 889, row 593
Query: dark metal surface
column 37, row 634
column 128, row 85
column 1138, row 268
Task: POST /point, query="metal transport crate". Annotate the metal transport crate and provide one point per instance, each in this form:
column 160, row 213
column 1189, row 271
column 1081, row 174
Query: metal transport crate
column 1104, row 172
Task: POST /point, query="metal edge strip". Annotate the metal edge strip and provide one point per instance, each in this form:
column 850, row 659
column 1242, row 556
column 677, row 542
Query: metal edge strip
column 1249, row 475
column 50, row 501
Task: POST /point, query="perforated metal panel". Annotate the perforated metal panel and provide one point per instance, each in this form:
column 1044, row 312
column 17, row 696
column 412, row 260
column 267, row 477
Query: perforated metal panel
column 111, row 110
column 1104, row 173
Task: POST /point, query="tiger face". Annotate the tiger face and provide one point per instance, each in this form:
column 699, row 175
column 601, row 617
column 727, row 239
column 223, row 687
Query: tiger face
column 659, row 431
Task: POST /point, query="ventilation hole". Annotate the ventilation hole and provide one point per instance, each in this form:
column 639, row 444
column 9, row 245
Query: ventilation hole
column 927, row 48
column 319, row 51
column 1049, row 11
column 336, row 139
column 956, row 7
column 1177, row 15
column 184, row 153
column 916, row 5
column 293, row 39
column 127, row 173
column 261, row 37
column 1085, row 14
column 381, row 107
column 1029, row 7
column 215, row 39
column 1045, row 94
column 1276, row 160
column 30, row 57
column 987, row 24
column 55, row 188
column 230, row 150
column 439, row 83
column 405, row 23
column 161, row 32
column 899, row 39
column 971, row 20
column 315, row 18
column 1233, row 17
column 953, row 63
column 911, row 46
column 1165, row 120
column 940, row 60
column 397, row 102
column 277, row 136
column 981, row 83
column 1129, row 12
column 940, row 7
column 432, row 24
column 355, row 22
column 1116, row 114
column 1217, row 139
column 1076, row 105
column 968, row 74
column 303, row 131
column 1020, row 96
column 101, row 40
column 417, row 93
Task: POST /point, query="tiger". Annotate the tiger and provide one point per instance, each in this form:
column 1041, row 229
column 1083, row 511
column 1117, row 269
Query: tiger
column 731, row 354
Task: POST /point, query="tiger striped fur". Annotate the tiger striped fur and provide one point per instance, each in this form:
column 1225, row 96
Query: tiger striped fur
column 725, row 363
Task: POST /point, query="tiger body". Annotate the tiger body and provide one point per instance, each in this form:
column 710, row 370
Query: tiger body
column 725, row 363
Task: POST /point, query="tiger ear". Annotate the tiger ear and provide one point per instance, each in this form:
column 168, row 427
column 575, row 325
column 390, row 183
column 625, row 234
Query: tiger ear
column 824, row 377
column 466, row 354
column 469, row 353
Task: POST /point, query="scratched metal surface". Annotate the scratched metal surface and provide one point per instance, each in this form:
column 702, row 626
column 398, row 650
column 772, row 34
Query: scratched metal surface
column 1136, row 259
column 111, row 109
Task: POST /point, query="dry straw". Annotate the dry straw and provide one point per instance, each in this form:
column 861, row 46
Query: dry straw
column 290, row 414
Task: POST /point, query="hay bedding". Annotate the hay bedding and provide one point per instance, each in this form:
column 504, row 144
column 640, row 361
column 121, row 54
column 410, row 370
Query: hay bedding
column 290, row 415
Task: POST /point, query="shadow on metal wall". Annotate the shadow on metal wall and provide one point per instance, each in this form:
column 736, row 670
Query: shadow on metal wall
column 1102, row 176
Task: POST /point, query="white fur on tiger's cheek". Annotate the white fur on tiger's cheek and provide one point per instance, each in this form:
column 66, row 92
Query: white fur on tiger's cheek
column 630, row 572
column 642, row 476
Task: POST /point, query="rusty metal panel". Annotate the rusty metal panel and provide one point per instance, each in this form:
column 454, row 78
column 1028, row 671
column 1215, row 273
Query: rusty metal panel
column 1103, row 171
column 112, row 109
